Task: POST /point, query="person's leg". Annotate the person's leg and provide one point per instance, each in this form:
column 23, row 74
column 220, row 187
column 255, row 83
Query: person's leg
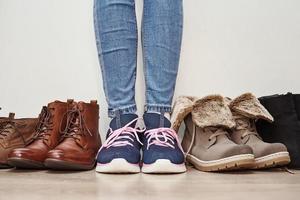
column 116, row 34
column 116, row 37
column 161, row 38
column 162, row 32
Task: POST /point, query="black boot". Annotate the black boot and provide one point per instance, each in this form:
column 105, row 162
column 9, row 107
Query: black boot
column 286, row 125
column 297, row 104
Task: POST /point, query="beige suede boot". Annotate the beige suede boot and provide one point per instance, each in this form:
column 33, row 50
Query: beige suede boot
column 246, row 109
column 206, row 140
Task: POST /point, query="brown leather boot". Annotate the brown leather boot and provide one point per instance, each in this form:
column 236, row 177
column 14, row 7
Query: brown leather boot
column 206, row 141
column 246, row 109
column 14, row 133
column 5, row 120
column 47, row 137
column 80, row 141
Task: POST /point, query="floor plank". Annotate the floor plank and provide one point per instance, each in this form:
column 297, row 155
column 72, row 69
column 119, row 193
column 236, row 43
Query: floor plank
column 268, row 184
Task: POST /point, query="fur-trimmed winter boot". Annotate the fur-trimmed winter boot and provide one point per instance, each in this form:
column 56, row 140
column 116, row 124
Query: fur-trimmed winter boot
column 246, row 109
column 206, row 140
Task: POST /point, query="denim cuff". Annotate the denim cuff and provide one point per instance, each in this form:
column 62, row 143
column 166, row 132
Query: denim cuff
column 113, row 112
column 158, row 108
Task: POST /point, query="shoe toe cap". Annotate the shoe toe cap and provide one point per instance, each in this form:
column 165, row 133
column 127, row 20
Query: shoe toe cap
column 107, row 155
column 237, row 150
column 174, row 155
column 55, row 154
column 270, row 148
column 21, row 152
column 29, row 154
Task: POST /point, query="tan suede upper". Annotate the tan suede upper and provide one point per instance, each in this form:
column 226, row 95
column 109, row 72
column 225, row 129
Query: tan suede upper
column 210, row 143
column 246, row 109
column 206, row 135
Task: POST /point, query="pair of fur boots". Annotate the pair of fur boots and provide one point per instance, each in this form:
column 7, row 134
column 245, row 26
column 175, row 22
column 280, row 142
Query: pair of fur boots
column 220, row 133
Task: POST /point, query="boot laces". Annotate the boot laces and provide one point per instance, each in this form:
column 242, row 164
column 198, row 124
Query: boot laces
column 75, row 125
column 45, row 124
column 162, row 136
column 123, row 136
column 5, row 131
column 215, row 132
column 3, row 124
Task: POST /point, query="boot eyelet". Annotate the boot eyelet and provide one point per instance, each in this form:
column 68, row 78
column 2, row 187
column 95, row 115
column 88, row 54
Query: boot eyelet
column 209, row 139
column 242, row 138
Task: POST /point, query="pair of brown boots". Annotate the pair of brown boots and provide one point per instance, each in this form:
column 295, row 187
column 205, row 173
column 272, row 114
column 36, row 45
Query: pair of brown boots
column 220, row 133
column 66, row 137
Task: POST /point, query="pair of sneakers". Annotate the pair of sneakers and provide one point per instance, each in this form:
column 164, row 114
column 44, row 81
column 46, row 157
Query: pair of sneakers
column 121, row 152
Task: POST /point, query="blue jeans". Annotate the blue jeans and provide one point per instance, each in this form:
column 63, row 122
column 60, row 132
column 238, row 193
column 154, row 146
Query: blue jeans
column 117, row 37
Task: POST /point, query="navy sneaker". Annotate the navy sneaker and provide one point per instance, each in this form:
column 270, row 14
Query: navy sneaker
column 120, row 153
column 162, row 152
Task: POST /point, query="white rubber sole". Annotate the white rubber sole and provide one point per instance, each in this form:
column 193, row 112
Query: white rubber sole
column 244, row 161
column 163, row 166
column 272, row 160
column 118, row 165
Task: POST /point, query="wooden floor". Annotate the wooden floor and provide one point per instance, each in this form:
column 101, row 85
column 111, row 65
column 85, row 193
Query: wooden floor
column 254, row 185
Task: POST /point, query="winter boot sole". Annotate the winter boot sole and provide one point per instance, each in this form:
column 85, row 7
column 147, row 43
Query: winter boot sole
column 118, row 166
column 272, row 160
column 237, row 162
column 163, row 166
column 23, row 163
column 56, row 164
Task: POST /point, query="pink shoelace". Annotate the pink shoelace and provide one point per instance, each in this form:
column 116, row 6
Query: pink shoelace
column 125, row 133
column 162, row 137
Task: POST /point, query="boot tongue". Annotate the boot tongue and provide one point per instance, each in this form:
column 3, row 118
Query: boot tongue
column 242, row 123
column 11, row 116
column 156, row 120
column 122, row 120
column 248, row 126
column 74, row 126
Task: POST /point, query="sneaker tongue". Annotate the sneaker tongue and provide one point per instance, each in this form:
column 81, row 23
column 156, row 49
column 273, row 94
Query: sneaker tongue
column 122, row 120
column 155, row 120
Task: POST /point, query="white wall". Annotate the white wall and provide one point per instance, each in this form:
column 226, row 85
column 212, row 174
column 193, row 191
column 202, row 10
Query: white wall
column 48, row 51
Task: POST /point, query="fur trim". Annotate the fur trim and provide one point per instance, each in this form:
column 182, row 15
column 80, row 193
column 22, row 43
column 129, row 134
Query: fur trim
column 212, row 110
column 227, row 100
column 182, row 107
column 249, row 106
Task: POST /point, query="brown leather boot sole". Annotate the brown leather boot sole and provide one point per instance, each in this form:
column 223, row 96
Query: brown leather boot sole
column 237, row 162
column 23, row 163
column 65, row 165
column 272, row 160
column 5, row 166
